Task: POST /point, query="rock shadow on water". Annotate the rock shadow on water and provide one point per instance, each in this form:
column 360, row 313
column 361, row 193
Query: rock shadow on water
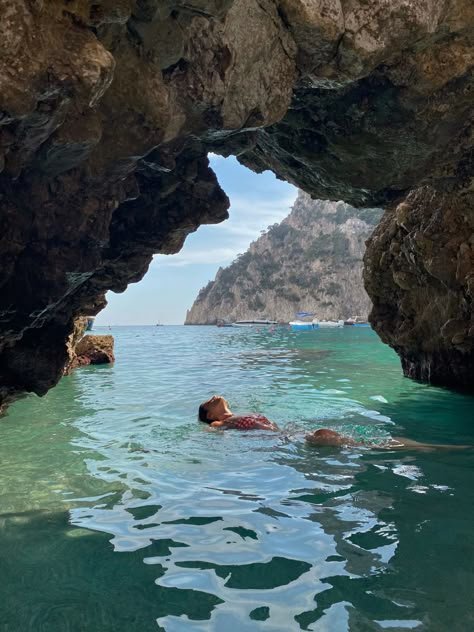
column 431, row 414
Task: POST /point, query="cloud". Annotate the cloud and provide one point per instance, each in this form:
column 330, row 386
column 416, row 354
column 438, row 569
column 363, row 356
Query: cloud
column 220, row 244
column 221, row 256
column 247, row 208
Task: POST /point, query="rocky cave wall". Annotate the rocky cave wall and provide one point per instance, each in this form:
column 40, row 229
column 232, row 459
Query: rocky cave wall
column 109, row 108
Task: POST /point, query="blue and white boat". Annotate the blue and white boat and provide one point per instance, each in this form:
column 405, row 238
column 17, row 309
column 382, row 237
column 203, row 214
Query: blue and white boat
column 330, row 323
column 355, row 322
column 303, row 325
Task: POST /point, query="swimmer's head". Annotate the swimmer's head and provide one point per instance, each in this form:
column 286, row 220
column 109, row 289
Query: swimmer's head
column 202, row 414
column 212, row 409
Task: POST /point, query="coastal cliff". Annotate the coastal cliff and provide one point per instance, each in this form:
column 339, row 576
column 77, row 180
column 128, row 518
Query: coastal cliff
column 311, row 261
column 108, row 109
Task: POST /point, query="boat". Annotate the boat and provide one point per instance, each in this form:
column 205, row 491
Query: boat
column 301, row 325
column 254, row 323
column 306, row 325
column 330, row 323
column 90, row 322
column 224, row 323
column 355, row 322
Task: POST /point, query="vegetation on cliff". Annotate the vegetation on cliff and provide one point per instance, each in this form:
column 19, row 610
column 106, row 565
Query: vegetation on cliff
column 312, row 261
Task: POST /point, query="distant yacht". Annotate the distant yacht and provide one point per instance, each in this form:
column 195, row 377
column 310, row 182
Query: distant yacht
column 252, row 323
column 329, row 323
column 224, row 323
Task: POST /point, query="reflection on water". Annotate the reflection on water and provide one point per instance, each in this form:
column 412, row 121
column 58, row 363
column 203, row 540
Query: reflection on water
column 121, row 512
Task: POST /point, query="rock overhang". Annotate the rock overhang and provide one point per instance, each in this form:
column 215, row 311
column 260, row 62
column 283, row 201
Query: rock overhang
column 108, row 110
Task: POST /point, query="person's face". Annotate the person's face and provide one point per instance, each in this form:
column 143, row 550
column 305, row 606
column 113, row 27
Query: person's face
column 216, row 407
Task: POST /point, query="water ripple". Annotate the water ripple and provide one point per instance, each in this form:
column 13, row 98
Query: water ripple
column 120, row 511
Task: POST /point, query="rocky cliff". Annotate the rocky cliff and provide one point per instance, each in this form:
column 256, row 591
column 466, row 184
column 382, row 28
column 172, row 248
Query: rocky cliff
column 109, row 107
column 311, row 261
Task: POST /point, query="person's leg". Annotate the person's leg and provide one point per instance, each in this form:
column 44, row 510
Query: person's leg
column 402, row 442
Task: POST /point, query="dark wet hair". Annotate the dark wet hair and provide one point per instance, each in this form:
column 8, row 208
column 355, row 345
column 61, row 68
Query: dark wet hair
column 202, row 414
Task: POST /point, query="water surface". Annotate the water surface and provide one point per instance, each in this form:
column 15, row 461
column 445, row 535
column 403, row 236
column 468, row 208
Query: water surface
column 119, row 511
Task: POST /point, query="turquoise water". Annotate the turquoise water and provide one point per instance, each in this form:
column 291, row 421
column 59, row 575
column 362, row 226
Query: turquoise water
column 119, row 512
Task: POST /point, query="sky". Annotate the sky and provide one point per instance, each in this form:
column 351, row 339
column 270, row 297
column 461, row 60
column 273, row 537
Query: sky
column 173, row 281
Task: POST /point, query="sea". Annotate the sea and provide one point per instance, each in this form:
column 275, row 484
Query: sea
column 120, row 512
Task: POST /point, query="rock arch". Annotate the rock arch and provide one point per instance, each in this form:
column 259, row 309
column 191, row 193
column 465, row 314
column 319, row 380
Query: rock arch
column 109, row 108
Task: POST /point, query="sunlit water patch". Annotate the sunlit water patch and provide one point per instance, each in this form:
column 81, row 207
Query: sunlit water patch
column 121, row 512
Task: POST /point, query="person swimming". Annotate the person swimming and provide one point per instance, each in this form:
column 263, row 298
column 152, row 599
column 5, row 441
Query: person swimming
column 216, row 412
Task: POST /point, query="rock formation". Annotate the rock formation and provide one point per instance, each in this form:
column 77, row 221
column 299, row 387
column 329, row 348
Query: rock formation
column 419, row 270
column 80, row 328
column 84, row 350
column 92, row 349
column 311, row 261
column 109, row 107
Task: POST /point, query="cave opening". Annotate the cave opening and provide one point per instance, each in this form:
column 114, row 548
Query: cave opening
column 173, row 281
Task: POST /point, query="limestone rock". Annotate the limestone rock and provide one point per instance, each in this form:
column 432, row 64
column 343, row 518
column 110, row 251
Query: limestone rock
column 93, row 350
column 422, row 289
column 311, row 261
column 80, row 327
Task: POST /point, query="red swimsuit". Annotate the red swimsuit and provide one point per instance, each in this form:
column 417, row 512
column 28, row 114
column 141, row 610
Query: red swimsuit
column 248, row 422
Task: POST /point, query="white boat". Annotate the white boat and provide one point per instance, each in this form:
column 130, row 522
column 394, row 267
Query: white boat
column 254, row 323
column 300, row 325
column 303, row 325
column 329, row 323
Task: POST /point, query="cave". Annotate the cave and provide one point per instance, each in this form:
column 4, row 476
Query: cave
column 109, row 109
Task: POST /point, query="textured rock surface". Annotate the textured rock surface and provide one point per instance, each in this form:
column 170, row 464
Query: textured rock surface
column 420, row 272
column 312, row 261
column 93, row 350
column 108, row 109
column 80, row 328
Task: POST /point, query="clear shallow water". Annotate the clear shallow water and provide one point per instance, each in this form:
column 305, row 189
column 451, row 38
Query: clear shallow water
column 233, row 530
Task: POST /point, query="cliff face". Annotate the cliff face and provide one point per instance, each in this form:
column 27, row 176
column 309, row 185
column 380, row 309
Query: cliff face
column 312, row 261
column 109, row 107
column 419, row 270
